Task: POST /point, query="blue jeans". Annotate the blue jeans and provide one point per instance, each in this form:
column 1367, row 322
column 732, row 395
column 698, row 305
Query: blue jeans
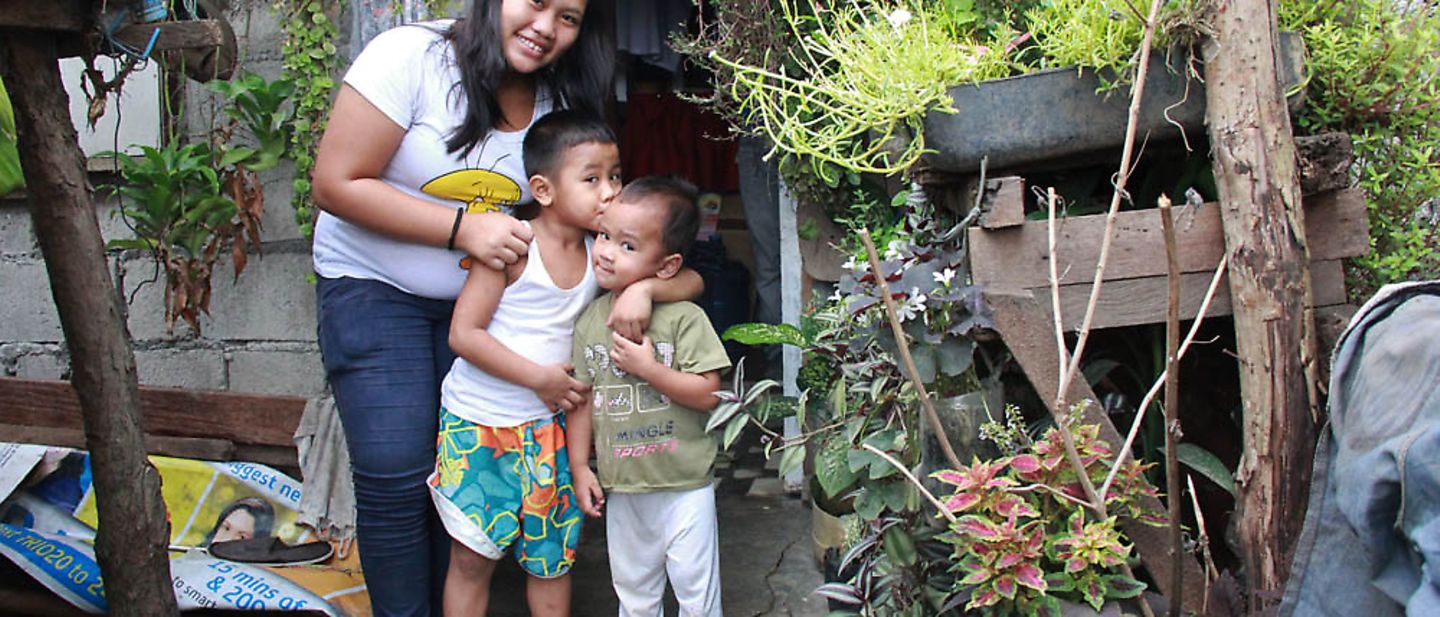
column 385, row 354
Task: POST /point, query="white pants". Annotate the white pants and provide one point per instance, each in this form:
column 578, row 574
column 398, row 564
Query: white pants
column 650, row 535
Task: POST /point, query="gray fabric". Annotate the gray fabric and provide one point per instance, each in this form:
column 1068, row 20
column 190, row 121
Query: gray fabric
column 327, row 498
column 643, row 28
column 1371, row 543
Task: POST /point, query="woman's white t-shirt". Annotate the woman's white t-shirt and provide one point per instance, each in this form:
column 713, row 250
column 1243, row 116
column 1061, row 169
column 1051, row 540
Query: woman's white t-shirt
column 409, row 74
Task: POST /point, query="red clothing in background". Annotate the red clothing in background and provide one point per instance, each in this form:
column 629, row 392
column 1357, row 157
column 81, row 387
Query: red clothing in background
column 667, row 135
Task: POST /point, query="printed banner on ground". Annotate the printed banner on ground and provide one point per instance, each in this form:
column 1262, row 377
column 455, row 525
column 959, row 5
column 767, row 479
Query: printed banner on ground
column 47, row 527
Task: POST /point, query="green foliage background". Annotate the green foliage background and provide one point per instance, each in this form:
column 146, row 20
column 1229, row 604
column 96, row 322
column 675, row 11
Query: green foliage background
column 11, row 177
column 311, row 60
column 1374, row 70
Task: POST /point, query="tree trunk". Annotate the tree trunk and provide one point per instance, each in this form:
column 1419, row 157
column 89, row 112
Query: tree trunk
column 1256, row 172
column 131, row 541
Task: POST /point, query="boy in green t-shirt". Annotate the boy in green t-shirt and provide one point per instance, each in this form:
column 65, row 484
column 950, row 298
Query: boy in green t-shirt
column 648, row 411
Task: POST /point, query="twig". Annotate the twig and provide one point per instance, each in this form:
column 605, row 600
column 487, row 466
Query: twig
column 1203, row 539
column 1059, row 494
column 911, row 477
column 1172, row 404
column 893, row 314
column 1137, row 94
column 1095, row 502
column 1124, row 451
column 1067, row 376
column 1062, row 351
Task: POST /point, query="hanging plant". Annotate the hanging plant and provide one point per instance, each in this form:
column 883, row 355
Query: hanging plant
column 311, row 60
column 852, row 93
column 185, row 203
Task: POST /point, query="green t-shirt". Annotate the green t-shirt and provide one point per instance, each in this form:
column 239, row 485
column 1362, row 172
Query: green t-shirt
column 643, row 441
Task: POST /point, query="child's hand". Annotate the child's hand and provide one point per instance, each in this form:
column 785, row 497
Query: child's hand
column 557, row 389
column 587, row 490
column 633, row 358
column 630, row 312
column 493, row 238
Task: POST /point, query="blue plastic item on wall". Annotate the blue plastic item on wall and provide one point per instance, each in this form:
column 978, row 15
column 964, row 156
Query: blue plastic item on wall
column 152, row 10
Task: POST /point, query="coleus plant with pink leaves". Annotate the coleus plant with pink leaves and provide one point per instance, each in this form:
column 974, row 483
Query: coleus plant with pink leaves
column 1023, row 539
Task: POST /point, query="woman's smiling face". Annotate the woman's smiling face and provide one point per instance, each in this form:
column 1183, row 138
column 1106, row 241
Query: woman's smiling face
column 239, row 525
column 537, row 32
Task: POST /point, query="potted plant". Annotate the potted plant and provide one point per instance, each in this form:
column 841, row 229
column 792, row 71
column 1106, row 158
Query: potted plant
column 1022, row 535
column 859, row 407
column 185, row 202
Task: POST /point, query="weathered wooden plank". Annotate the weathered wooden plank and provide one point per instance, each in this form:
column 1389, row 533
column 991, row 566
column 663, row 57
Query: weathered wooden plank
column 1016, row 257
column 1330, row 323
column 1029, row 334
column 1004, row 203
column 182, row 447
column 56, row 15
column 167, row 412
column 173, row 34
column 1130, row 302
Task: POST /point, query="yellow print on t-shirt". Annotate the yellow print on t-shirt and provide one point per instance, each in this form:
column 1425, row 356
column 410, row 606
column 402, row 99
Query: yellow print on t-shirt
column 481, row 190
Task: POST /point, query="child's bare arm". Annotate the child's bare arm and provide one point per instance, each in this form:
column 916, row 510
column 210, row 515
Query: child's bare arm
column 693, row 390
column 579, row 427
column 630, row 314
column 470, row 340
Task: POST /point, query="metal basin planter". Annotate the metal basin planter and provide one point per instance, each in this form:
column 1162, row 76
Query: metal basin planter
column 1056, row 113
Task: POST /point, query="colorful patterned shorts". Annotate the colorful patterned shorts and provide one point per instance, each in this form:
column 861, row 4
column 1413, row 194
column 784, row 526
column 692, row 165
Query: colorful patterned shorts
column 498, row 487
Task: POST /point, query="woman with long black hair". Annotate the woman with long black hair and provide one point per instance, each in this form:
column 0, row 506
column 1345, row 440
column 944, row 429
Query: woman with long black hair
column 420, row 166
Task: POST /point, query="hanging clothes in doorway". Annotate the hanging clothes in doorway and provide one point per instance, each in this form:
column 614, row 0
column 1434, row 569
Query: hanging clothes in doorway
column 667, row 135
column 643, row 29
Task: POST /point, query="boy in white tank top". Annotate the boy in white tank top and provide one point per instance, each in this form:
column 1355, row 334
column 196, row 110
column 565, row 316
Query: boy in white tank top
column 502, row 474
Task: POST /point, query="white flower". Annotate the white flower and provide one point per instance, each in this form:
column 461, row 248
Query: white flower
column 944, row 277
column 893, row 250
column 853, row 265
column 835, row 297
column 914, row 305
column 899, row 17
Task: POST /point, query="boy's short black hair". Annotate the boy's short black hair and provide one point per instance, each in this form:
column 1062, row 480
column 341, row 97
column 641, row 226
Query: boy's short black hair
column 678, row 197
column 558, row 131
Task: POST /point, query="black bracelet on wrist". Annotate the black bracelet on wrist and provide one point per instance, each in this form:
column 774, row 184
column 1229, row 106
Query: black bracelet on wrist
column 450, row 244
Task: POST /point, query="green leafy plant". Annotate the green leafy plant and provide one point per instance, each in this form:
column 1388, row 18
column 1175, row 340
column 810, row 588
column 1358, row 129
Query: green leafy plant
column 1022, row 538
column 853, row 90
column 185, row 202
column 857, row 407
column 261, row 107
column 11, row 177
column 1095, row 34
column 1372, row 68
column 174, row 201
column 310, row 62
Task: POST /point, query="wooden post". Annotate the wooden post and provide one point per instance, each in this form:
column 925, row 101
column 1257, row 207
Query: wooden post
column 133, row 533
column 1256, row 172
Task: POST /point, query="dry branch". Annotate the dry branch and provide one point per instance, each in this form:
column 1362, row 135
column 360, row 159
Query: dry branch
column 1172, row 403
column 905, row 357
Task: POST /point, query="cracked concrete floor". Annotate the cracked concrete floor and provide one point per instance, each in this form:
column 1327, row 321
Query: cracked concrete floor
column 767, row 563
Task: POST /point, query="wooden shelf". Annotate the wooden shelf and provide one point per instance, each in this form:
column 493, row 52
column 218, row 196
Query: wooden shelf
column 54, row 15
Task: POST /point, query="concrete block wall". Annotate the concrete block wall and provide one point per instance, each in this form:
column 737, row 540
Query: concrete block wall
column 260, row 334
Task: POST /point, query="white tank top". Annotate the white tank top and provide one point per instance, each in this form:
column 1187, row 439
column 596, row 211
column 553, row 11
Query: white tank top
column 536, row 319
